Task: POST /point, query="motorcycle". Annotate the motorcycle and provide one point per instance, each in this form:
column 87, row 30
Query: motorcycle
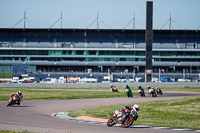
column 114, row 89
column 15, row 99
column 159, row 91
column 141, row 92
column 125, row 117
column 153, row 92
column 129, row 92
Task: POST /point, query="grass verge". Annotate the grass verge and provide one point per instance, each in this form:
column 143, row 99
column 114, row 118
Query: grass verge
column 58, row 94
column 179, row 113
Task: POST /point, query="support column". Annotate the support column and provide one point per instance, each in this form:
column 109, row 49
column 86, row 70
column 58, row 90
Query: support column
column 149, row 40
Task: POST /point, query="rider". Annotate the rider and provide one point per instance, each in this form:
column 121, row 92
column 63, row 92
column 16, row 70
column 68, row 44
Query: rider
column 113, row 88
column 140, row 88
column 150, row 89
column 119, row 113
column 128, row 91
column 18, row 96
column 127, row 87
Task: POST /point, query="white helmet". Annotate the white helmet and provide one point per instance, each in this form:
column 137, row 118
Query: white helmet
column 19, row 92
column 136, row 107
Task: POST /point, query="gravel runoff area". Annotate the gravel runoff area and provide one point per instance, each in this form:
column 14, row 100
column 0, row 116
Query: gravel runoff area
column 86, row 85
column 35, row 115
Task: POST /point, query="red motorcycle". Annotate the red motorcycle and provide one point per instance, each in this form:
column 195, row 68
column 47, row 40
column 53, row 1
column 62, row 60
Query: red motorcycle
column 125, row 117
column 15, row 99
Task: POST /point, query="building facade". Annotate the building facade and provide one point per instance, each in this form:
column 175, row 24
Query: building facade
column 81, row 52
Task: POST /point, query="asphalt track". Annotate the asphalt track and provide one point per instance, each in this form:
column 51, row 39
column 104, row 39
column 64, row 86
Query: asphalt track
column 35, row 115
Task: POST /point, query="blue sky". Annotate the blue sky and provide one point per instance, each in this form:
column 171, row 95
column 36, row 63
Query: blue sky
column 115, row 13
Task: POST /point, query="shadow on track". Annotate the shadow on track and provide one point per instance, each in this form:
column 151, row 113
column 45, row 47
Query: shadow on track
column 21, row 106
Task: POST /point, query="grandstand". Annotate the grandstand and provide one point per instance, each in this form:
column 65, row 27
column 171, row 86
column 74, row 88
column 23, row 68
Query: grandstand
column 82, row 52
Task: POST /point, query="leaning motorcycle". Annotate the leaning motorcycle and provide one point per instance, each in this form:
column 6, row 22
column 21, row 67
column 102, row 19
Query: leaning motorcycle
column 15, row 99
column 129, row 92
column 114, row 89
column 141, row 92
column 125, row 117
column 154, row 93
column 159, row 91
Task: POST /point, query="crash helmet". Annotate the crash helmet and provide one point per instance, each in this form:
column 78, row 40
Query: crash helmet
column 136, row 107
column 19, row 92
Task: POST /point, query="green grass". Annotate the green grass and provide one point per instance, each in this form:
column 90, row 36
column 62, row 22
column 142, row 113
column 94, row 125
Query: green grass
column 5, row 75
column 58, row 94
column 179, row 113
column 186, row 88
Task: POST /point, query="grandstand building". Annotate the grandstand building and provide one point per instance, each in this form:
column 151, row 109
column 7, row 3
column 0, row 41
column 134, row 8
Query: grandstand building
column 82, row 52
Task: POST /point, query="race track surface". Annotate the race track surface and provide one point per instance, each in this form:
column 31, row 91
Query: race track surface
column 35, row 115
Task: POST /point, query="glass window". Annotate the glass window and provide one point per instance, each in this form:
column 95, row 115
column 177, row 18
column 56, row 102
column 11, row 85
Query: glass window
column 30, row 52
column 58, row 52
column 5, row 52
column 156, row 53
column 66, row 52
column 78, row 52
column 42, row 52
column 18, row 52
column 140, row 53
column 51, row 52
column 92, row 52
column 104, row 53
column 131, row 53
column 122, row 59
column 116, row 52
column 32, row 68
column 73, row 52
column 5, row 69
column 85, row 52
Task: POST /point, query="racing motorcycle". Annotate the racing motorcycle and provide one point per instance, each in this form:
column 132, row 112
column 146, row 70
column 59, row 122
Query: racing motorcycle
column 15, row 99
column 153, row 92
column 159, row 91
column 129, row 92
column 114, row 89
column 141, row 92
column 125, row 117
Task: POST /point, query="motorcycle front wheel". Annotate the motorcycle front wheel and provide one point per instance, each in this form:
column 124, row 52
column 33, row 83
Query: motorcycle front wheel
column 110, row 123
column 128, row 122
column 10, row 103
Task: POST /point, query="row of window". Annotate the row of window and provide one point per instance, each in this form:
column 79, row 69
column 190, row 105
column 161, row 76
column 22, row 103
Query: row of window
column 5, row 69
column 96, row 59
column 97, row 53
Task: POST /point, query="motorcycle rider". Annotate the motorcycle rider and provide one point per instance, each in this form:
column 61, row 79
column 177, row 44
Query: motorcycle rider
column 113, row 88
column 150, row 89
column 141, row 90
column 128, row 91
column 18, row 96
column 119, row 113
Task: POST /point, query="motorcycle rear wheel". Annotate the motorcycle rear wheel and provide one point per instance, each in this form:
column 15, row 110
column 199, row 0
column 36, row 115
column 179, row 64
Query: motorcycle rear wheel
column 128, row 122
column 110, row 123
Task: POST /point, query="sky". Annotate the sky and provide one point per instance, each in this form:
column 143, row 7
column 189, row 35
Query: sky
column 115, row 14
